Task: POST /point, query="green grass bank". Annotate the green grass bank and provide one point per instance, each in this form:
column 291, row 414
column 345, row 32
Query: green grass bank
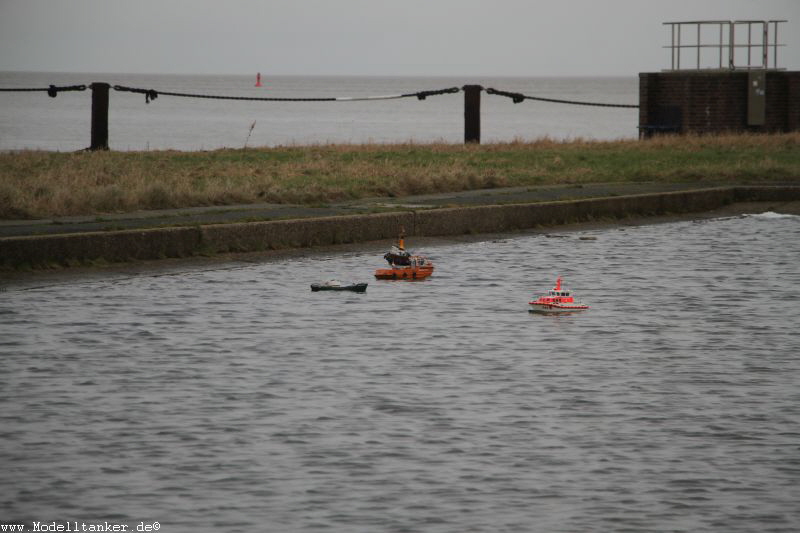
column 38, row 184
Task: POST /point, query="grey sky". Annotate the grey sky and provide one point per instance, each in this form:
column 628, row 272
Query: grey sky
column 363, row 37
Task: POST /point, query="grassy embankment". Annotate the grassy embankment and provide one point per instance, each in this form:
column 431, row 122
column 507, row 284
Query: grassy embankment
column 35, row 184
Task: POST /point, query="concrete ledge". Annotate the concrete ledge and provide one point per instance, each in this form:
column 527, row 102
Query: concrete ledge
column 766, row 194
column 119, row 246
column 304, row 232
column 498, row 218
column 131, row 245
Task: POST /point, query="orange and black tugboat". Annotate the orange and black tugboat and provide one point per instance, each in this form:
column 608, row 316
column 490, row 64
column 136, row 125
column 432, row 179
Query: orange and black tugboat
column 403, row 264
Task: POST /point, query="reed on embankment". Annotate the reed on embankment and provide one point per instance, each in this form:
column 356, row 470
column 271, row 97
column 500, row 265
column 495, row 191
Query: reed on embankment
column 38, row 184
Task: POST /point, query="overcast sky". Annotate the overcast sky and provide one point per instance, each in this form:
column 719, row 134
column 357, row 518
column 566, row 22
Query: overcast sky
column 364, row 37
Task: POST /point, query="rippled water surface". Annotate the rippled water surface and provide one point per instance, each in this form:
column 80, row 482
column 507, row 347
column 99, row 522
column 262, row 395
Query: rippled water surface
column 235, row 399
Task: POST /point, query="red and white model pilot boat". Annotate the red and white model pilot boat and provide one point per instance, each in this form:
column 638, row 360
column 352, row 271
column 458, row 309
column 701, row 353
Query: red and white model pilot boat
column 557, row 300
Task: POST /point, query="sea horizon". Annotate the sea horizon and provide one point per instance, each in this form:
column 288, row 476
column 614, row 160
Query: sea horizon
column 32, row 120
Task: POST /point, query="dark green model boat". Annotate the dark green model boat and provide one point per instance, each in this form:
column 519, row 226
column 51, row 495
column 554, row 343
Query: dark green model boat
column 334, row 285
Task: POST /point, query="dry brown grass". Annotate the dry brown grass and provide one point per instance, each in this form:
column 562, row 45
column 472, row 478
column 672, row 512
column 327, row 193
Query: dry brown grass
column 36, row 184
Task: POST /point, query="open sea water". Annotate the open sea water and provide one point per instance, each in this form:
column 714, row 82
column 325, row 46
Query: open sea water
column 229, row 397
column 35, row 121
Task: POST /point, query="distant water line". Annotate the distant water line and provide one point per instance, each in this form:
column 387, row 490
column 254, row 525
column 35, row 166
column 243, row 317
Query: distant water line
column 35, row 121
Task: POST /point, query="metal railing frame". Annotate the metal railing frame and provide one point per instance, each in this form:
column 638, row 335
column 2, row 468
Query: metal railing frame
column 731, row 45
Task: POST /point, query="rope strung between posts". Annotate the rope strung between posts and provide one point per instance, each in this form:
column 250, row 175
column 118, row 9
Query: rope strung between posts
column 51, row 91
column 518, row 97
column 152, row 94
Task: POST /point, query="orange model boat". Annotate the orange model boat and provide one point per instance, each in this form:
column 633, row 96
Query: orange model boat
column 404, row 265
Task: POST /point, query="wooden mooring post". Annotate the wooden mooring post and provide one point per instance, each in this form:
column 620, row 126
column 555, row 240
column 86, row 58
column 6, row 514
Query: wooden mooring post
column 99, row 116
column 472, row 113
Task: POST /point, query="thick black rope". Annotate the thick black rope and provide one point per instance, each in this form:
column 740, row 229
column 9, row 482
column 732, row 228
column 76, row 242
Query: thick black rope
column 152, row 94
column 421, row 95
column 518, row 97
column 51, row 91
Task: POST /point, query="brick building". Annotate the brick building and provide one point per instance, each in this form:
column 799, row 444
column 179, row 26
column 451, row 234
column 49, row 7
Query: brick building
column 718, row 101
column 728, row 85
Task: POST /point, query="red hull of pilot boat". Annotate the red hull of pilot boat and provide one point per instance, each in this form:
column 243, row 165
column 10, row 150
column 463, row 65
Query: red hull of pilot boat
column 558, row 300
column 537, row 307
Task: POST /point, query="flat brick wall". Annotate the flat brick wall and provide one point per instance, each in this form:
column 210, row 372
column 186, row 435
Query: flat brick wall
column 715, row 101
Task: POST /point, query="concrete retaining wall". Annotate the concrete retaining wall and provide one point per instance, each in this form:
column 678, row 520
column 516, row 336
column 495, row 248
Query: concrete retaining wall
column 498, row 218
column 128, row 245
column 302, row 233
column 117, row 246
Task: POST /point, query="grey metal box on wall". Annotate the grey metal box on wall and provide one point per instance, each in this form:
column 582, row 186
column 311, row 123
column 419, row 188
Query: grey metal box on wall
column 756, row 97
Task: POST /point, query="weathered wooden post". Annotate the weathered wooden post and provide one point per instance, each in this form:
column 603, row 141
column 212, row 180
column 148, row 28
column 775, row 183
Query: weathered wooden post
column 472, row 113
column 99, row 116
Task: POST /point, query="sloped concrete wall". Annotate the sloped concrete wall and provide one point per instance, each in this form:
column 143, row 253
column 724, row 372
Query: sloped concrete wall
column 131, row 245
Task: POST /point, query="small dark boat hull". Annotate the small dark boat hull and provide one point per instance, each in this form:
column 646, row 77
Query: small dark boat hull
column 355, row 287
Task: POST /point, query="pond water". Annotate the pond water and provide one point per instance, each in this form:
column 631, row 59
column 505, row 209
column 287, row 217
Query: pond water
column 235, row 399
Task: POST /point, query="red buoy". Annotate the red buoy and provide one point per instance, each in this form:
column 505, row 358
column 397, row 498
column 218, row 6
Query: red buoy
column 258, row 80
